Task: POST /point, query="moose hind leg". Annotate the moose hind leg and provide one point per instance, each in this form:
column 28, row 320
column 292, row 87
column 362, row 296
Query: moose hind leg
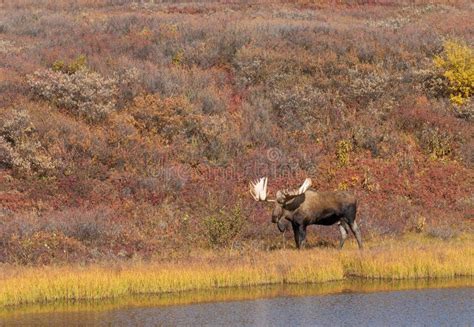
column 355, row 229
column 343, row 229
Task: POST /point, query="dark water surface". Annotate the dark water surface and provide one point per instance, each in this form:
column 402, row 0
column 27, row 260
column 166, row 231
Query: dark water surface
column 422, row 307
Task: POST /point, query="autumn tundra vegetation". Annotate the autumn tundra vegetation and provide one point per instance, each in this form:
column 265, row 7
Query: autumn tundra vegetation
column 129, row 131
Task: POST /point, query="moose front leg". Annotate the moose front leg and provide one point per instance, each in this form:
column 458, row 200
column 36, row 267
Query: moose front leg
column 343, row 228
column 299, row 232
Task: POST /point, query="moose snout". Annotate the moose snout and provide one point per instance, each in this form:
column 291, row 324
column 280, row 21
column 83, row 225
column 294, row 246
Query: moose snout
column 281, row 226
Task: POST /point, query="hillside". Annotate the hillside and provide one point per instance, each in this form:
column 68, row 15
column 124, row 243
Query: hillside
column 131, row 130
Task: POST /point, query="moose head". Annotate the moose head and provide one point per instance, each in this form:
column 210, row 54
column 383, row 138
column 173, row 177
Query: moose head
column 286, row 200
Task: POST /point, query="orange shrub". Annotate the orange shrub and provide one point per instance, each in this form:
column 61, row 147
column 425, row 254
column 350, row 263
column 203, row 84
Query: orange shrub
column 169, row 117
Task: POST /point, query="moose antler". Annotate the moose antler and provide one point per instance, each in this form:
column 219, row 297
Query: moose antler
column 285, row 195
column 258, row 190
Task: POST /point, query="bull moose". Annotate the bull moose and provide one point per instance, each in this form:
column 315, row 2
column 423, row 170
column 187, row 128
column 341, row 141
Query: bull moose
column 306, row 206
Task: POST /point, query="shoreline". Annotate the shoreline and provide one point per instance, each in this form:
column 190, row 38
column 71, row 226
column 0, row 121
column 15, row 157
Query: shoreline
column 229, row 294
column 412, row 258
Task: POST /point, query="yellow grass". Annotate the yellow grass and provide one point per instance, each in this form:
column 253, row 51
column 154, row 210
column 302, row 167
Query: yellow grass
column 411, row 258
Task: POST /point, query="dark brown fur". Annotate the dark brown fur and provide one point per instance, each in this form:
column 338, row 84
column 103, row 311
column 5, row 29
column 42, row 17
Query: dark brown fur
column 319, row 208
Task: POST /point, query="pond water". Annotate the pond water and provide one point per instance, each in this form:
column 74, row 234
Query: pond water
column 293, row 306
